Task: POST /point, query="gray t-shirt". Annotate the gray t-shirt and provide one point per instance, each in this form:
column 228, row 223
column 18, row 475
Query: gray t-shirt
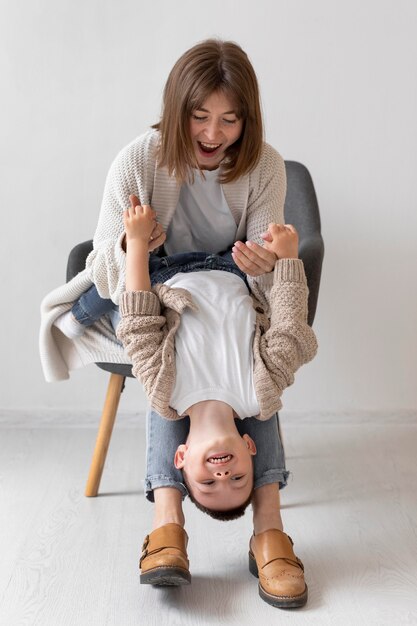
column 202, row 221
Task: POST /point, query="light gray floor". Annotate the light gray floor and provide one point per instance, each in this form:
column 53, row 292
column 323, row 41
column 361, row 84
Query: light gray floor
column 350, row 507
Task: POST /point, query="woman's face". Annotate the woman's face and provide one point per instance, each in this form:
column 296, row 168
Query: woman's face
column 213, row 128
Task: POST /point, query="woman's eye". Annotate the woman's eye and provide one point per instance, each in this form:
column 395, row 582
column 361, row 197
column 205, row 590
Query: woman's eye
column 230, row 121
column 237, row 477
column 199, row 118
column 208, row 482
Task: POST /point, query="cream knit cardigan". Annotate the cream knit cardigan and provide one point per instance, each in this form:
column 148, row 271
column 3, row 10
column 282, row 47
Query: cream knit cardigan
column 281, row 344
column 254, row 200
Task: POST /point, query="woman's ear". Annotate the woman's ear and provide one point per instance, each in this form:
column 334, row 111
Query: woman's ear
column 179, row 456
column 250, row 444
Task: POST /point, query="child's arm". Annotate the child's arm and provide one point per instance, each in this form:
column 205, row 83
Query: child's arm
column 290, row 341
column 142, row 327
column 139, row 222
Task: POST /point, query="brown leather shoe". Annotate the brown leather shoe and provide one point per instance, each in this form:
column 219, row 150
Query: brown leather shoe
column 164, row 557
column 280, row 572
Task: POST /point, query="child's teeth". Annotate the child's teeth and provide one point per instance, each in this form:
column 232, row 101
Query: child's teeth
column 220, row 459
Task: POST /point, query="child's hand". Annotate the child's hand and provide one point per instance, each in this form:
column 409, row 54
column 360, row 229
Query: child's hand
column 139, row 222
column 157, row 237
column 282, row 239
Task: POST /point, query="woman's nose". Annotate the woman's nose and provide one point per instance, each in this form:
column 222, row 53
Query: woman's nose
column 212, row 131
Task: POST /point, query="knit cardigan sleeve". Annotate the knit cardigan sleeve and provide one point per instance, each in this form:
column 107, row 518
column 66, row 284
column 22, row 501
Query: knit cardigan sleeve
column 131, row 172
column 147, row 330
column 288, row 341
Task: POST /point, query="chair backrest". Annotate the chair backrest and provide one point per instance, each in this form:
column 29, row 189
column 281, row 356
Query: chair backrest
column 301, row 207
column 302, row 210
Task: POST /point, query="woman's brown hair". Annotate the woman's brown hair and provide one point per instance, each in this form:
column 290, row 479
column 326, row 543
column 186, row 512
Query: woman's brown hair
column 210, row 66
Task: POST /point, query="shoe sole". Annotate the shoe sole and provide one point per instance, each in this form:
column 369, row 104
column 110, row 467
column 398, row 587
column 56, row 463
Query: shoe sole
column 166, row 577
column 280, row 602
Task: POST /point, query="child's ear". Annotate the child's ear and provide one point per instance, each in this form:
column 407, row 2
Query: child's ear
column 250, row 444
column 179, row 456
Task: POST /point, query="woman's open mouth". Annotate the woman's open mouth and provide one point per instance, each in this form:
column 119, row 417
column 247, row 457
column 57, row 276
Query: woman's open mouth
column 209, row 149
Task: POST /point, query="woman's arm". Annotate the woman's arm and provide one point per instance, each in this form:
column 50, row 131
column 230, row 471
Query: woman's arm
column 268, row 186
column 132, row 172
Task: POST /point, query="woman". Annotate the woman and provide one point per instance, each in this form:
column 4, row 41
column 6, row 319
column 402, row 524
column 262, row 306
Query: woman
column 214, row 185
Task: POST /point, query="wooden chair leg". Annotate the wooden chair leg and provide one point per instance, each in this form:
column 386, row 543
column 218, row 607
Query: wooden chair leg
column 108, row 417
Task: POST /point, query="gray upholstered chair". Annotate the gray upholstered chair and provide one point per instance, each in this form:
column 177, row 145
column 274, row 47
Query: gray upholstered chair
column 301, row 209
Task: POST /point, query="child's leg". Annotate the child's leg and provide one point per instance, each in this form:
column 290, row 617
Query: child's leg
column 271, row 554
column 91, row 306
column 269, row 460
column 269, row 472
column 162, row 439
column 164, row 558
column 84, row 312
column 168, row 507
column 266, row 508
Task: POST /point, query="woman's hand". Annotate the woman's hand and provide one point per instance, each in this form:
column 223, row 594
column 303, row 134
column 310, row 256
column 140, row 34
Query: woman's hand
column 253, row 259
column 157, row 238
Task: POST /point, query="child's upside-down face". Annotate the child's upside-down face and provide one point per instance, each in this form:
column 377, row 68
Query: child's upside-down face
column 219, row 472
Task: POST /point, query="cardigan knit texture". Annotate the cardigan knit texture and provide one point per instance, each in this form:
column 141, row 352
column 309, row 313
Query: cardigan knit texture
column 281, row 344
column 255, row 200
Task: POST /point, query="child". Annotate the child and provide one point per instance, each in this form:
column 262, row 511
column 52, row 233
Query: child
column 181, row 377
column 208, row 354
column 201, row 349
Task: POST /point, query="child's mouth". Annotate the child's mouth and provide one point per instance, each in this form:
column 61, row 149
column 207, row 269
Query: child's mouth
column 219, row 459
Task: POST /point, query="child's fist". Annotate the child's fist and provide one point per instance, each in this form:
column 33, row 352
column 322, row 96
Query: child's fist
column 283, row 240
column 139, row 222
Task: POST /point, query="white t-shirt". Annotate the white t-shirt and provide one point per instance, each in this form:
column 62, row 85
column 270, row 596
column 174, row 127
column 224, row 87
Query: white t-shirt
column 202, row 210
column 214, row 345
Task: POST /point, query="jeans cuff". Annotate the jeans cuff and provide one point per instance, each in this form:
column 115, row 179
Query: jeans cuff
column 154, row 482
column 273, row 476
column 81, row 315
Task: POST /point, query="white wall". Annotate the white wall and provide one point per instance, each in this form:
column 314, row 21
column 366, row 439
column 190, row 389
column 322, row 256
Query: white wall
column 80, row 79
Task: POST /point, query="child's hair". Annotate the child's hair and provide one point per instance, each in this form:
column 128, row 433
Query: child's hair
column 210, row 66
column 223, row 516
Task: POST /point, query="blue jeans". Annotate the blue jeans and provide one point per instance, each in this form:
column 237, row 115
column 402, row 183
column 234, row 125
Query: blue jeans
column 90, row 306
column 162, row 269
column 164, row 436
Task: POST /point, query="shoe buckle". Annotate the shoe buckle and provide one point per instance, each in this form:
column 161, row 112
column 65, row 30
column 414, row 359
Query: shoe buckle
column 144, row 550
column 300, row 563
column 143, row 556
